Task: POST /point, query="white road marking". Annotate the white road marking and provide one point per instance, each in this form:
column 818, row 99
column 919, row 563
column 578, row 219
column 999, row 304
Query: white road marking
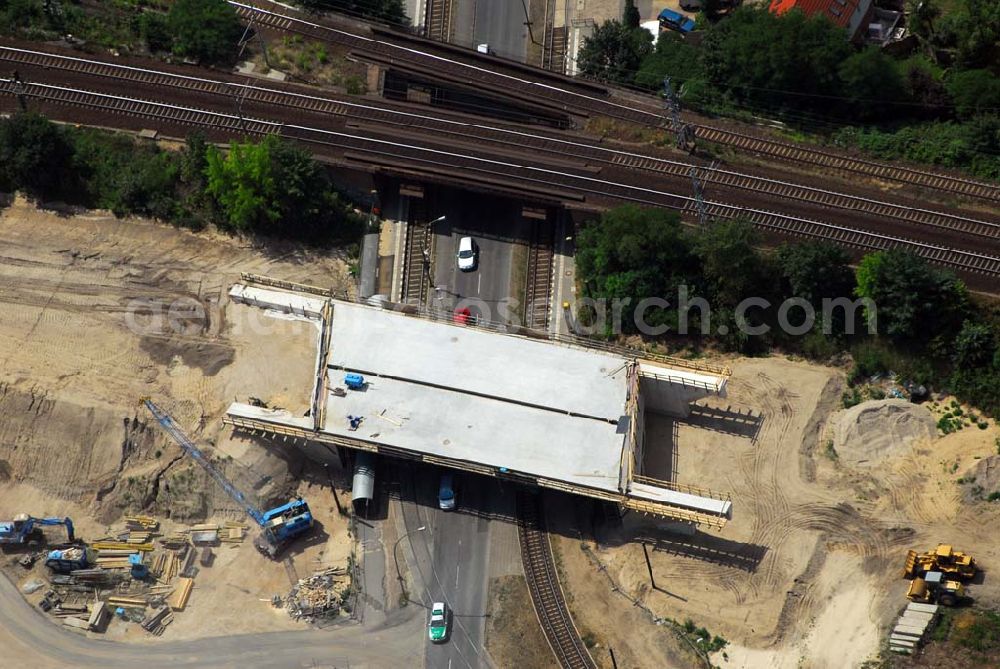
column 479, row 285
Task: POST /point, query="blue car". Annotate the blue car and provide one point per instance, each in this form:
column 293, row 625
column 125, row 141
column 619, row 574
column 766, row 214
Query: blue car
column 675, row 21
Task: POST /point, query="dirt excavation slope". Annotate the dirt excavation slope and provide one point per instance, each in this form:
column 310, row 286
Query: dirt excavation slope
column 807, row 572
column 96, row 313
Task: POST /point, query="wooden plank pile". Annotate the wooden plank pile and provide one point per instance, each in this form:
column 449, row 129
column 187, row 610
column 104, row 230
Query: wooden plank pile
column 233, row 533
column 142, row 523
column 318, row 595
column 122, row 545
column 155, row 622
column 178, row 600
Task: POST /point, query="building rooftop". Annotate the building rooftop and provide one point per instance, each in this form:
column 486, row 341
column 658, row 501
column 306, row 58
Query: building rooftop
column 838, row 11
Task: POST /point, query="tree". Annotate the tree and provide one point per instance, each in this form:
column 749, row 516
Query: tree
column 975, row 92
column 614, row 52
column 630, row 16
column 873, row 84
column 916, row 304
column 920, row 18
column 978, row 33
column 976, row 376
column 275, row 188
column 816, row 270
column 207, row 30
column 776, row 61
column 34, row 154
column 154, row 28
column 673, row 57
column 730, row 264
column 634, row 253
column 975, row 347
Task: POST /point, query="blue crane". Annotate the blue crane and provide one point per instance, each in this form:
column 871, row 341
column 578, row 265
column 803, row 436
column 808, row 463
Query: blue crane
column 279, row 526
column 25, row 528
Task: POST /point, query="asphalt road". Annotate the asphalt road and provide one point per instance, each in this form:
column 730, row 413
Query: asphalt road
column 500, row 23
column 29, row 640
column 451, row 562
column 493, row 223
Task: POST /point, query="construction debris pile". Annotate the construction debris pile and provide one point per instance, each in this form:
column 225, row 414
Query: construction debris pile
column 321, row 595
column 137, row 575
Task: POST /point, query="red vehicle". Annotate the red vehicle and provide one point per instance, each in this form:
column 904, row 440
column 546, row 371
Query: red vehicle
column 463, row 316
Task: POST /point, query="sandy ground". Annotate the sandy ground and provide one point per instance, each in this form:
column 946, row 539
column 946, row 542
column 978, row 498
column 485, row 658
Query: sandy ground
column 514, row 638
column 807, row 572
column 99, row 312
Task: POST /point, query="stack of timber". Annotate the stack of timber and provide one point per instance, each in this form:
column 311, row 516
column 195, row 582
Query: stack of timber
column 174, row 541
column 155, row 622
column 178, row 600
column 121, row 545
column 317, row 596
column 142, row 523
column 233, row 533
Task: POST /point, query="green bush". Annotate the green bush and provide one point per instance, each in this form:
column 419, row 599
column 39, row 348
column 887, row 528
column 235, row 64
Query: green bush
column 34, row 154
column 275, row 188
column 206, row 30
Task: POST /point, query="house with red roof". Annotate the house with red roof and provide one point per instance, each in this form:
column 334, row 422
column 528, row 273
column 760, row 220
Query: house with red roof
column 853, row 15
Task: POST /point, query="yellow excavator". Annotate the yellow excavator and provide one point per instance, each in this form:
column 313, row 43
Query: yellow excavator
column 955, row 565
column 934, row 588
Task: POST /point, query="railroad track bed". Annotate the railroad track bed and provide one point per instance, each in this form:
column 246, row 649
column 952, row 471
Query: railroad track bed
column 543, row 585
column 415, row 257
column 808, row 155
column 435, row 162
column 538, row 291
column 516, row 79
column 506, row 137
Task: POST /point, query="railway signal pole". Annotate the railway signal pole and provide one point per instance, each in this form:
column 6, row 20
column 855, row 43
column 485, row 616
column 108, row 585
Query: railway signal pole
column 19, row 90
column 699, row 196
column 685, row 134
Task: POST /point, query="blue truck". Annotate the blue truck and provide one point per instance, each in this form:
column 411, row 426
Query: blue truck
column 675, row 21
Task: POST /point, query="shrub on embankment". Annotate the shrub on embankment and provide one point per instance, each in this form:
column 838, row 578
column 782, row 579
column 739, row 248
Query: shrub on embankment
column 270, row 188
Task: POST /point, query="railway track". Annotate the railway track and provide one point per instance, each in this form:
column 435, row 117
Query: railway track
column 579, row 100
column 387, row 116
column 416, row 258
column 538, row 291
column 437, row 164
column 811, row 156
column 543, row 585
column 438, row 19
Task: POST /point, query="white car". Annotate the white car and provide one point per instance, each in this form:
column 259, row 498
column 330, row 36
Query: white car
column 468, row 254
column 437, row 627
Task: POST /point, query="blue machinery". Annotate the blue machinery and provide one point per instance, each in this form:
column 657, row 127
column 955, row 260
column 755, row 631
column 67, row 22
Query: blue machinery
column 279, row 526
column 24, row 528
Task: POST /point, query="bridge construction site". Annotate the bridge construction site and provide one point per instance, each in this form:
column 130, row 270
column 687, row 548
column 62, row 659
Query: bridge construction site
column 551, row 414
column 201, row 430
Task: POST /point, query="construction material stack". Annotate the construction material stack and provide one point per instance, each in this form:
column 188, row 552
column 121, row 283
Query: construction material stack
column 912, row 627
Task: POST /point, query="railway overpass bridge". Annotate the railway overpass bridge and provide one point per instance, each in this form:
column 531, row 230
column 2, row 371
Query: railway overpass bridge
column 516, row 405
